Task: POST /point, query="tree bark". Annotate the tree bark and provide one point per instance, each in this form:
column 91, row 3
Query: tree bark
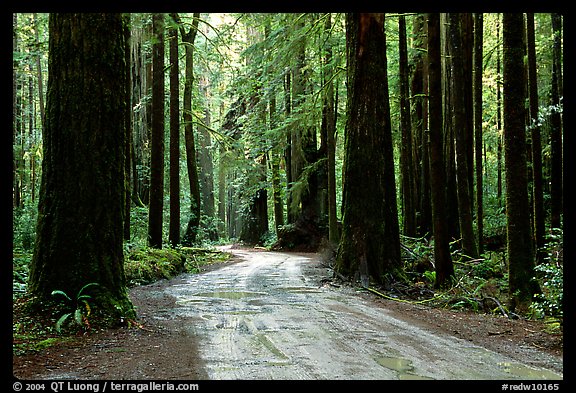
column 519, row 244
column 370, row 243
column 155, row 213
column 443, row 260
column 194, row 220
column 477, row 91
column 407, row 171
column 174, row 226
column 459, row 118
column 556, row 180
column 537, row 183
column 81, row 205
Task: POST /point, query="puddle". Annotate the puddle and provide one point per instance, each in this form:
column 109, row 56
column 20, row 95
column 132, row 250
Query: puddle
column 301, row 290
column 241, row 312
column 264, row 340
column 523, row 371
column 403, row 367
column 397, row 364
column 228, row 294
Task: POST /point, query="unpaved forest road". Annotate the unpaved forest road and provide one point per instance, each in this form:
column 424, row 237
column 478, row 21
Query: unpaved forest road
column 263, row 318
column 267, row 315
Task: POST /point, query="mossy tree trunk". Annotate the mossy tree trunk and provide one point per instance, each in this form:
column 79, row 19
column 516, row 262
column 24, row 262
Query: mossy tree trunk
column 81, row 208
column 519, row 245
column 370, row 242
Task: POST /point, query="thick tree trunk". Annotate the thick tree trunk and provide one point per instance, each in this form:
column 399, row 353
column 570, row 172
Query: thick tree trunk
column 519, row 245
column 81, row 206
column 370, row 243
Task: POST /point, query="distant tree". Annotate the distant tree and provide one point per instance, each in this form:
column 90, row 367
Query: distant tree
column 155, row 214
column 370, row 242
column 519, row 244
column 81, row 205
column 188, row 37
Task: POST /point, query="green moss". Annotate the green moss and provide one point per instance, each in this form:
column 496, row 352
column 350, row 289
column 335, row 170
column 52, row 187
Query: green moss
column 148, row 265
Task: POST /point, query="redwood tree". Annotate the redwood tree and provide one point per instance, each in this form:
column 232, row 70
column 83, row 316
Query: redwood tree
column 519, row 243
column 444, row 265
column 370, row 242
column 81, row 207
column 157, row 150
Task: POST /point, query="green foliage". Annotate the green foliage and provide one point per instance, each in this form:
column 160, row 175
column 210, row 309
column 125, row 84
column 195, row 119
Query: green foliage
column 146, row 265
column 24, row 226
column 550, row 275
column 80, row 308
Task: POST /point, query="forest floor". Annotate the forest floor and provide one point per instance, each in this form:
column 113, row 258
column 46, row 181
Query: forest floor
column 153, row 349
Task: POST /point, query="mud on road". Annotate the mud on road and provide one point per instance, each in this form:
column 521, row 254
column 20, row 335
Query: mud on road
column 266, row 317
column 269, row 316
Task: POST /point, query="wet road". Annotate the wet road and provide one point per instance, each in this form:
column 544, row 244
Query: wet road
column 266, row 317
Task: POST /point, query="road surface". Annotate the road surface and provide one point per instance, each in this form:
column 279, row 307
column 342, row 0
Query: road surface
column 268, row 317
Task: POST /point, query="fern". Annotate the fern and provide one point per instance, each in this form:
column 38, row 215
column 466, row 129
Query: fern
column 79, row 305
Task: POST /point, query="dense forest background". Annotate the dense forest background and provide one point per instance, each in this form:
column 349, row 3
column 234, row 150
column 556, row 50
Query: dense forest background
column 244, row 139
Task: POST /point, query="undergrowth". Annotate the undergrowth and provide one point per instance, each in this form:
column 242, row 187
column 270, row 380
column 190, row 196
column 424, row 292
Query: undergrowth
column 481, row 285
column 68, row 316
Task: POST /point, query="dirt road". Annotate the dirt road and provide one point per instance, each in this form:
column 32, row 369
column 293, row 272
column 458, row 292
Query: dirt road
column 266, row 317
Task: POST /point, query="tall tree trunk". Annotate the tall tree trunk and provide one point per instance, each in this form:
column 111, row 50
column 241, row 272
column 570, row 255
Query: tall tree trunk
column 459, row 113
column 275, row 158
column 444, row 266
column 174, row 227
column 128, row 127
column 291, row 214
column 39, row 72
column 556, row 128
column 16, row 115
column 519, row 245
column 477, row 89
column 406, row 164
column 498, row 117
column 81, row 206
column 330, row 119
column 140, row 150
column 537, row 184
column 419, row 88
column 189, row 38
column 452, row 213
column 206, row 170
column 156, row 208
column 370, row 243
